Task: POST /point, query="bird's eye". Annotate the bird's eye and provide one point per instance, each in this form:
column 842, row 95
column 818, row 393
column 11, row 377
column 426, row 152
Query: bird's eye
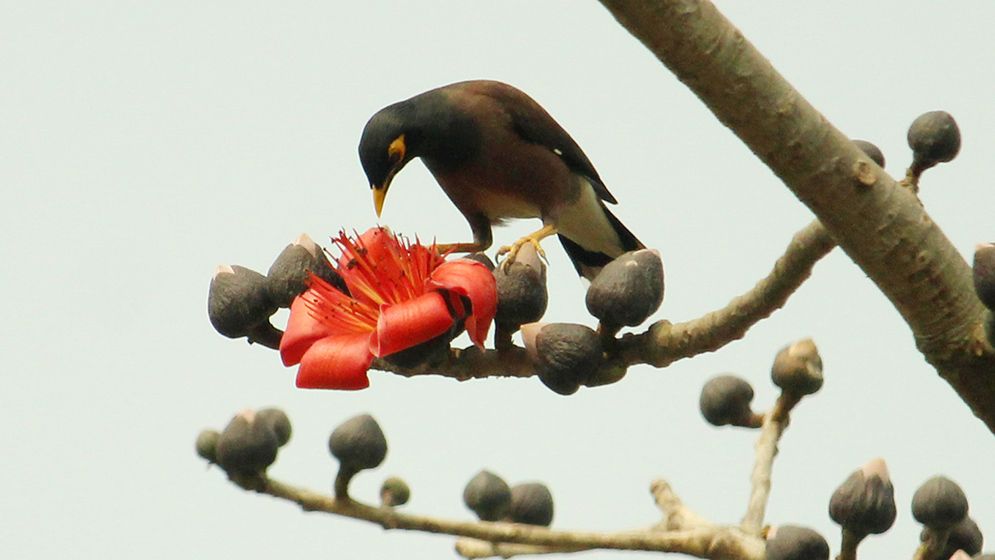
column 397, row 149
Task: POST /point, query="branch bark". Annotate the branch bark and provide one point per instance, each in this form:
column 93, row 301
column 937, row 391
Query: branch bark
column 881, row 226
column 663, row 342
column 712, row 542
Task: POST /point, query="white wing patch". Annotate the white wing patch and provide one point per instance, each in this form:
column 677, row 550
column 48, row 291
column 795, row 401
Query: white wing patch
column 585, row 223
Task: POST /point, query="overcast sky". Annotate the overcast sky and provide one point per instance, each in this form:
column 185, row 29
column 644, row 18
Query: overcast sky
column 144, row 143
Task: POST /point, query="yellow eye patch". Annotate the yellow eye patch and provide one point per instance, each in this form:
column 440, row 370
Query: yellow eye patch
column 397, row 148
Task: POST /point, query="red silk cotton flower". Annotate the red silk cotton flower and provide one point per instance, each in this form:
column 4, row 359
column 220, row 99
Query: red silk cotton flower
column 400, row 295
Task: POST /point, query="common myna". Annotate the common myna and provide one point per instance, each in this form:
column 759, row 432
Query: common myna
column 497, row 154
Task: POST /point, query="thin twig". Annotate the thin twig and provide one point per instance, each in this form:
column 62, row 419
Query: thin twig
column 766, row 449
column 475, row 548
column 676, row 516
column 848, row 545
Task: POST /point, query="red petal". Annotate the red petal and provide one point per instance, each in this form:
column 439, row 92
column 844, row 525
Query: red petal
column 410, row 323
column 471, row 279
column 302, row 331
column 336, row 362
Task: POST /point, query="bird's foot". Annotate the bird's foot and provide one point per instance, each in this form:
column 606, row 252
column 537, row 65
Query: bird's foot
column 509, row 252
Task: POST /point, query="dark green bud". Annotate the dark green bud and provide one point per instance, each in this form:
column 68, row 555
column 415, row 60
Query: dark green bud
column 532, row 504
column 207, row 445
column 788, row 542
column 865, row 503
column 521, row 289
column 278, row 421
column 984, row 274
column 725, row 400
column 394, row 492
column 964, row 536
column 488, row 496
column 481, row 258
column 627, row 290
column 289, row 273
column 238, row 301
column 934, row 138
column 358, row 443
column 939, row 503
column 871, row 151
column 246, row 445
column 797, row 368
column 568, row 355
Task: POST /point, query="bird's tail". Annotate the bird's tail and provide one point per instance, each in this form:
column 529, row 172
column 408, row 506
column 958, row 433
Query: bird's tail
column 589, row 263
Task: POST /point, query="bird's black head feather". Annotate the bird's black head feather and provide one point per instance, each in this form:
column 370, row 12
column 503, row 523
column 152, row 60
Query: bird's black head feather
column 433, row 129
column 382, row 129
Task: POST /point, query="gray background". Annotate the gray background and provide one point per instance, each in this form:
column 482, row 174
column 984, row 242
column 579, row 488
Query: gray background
column 145, row 143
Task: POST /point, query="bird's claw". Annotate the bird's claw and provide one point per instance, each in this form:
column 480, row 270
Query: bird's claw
column 509, row 252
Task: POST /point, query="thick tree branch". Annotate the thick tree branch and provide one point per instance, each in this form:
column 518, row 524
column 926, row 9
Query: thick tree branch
column 717, row 543
column 880, row 225
column 663, row 343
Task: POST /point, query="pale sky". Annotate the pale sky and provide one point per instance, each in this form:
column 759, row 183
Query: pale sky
column 146, row 143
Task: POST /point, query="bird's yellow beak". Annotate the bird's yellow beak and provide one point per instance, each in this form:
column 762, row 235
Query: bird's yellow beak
column 379, row 194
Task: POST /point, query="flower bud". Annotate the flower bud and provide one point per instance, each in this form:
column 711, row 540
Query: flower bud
column 934, row 138
column 207, row 445
column 532, row 504
column 521, row 289
column 481, row 258
column 488, row 496
column 426, row 351
column 246, row 445
column 278, row 421
column 964, row 536
column 725, row 399
column 627, row 290
column 865, row 503
column 797, row 368
column 394, row 492
column 788, row 542
column 288, row 275
column 871, row 151
column 984, row 273
column 607, row 374
column 238, row 301
column 358, row 443
column 939, row 503
column 568, row 355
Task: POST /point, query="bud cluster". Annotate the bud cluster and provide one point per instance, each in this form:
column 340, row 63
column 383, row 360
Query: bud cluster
column 248, row 445
column 568, row 356
column 491, row 499
column 240, row 300
column 797, row 371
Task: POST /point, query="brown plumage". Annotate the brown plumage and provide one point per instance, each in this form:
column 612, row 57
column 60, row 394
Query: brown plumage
column 497, row 154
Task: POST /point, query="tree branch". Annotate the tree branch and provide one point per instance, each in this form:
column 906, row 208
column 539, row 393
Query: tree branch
column 663, row 343
column 881, row 226
column 766, row 449
column 716, row 543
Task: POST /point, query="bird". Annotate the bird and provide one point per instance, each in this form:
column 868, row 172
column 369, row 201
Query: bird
column 498, row 155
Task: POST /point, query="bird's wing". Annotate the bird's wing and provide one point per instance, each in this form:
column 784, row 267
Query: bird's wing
column 532, row 122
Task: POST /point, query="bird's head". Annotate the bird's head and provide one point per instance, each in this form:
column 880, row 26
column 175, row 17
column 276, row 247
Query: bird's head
column 384, row 149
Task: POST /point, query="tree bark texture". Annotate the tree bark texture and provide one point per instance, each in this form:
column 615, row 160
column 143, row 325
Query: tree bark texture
column 880, row 224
